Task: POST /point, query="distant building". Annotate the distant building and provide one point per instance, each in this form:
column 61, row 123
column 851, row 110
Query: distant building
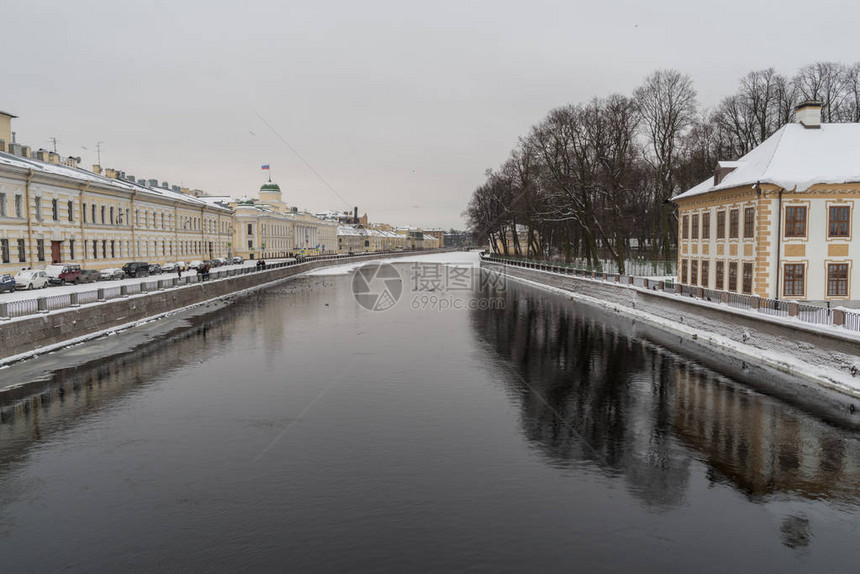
column 780, row 221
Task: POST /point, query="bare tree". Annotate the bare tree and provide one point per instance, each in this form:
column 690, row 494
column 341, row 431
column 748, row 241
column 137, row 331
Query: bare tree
column 667, row 104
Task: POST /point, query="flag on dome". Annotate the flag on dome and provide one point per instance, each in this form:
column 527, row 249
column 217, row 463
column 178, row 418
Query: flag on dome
column 265, row 166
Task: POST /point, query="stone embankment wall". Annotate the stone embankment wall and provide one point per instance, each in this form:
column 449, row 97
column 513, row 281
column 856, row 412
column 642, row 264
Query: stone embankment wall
column 822, row 355
column 33, row 333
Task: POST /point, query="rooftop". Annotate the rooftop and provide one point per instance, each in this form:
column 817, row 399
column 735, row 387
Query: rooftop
column 795, row 158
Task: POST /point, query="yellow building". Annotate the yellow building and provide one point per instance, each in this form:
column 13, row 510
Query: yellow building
column 779, row 222
column 52, row 211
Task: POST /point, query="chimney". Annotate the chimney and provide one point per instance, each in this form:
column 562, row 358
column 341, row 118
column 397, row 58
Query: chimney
column 53, row 158
column 152, row 183
column 355, row 214
column 130, row 178
column 111, row 173
column 723, row 169
column 808, row 114
column 97, row 168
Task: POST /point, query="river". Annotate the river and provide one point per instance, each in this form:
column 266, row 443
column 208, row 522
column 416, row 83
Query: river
column 297, row 431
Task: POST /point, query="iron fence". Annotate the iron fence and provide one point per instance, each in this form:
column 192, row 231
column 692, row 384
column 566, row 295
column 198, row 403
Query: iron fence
column 804, row 312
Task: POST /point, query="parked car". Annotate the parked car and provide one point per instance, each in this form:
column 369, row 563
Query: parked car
column 223, row 261
column 136, row 269
column 7, row 283
column 111, row 273
column 89, row 276
column 62, row 274
column 238, row 260
column 213, row 263
column 31, row 279
column 196, row 264
column 173, row 266
column 155, row 269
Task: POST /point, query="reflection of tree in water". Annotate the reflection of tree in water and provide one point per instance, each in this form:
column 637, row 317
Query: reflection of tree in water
column 587, row 393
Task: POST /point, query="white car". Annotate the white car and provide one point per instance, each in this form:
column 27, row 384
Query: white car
column 172, row 267
column 111, row 273
column 195, row 265
column 31, row 279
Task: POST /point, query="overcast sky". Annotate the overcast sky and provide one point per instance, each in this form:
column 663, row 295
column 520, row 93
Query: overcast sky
column 399, row 105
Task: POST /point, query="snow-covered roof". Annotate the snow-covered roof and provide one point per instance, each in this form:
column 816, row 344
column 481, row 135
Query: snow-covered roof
column 794, row 158
column 84, row 175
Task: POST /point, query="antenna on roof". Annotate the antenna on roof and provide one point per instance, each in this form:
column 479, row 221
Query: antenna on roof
column 53, row 141
column 99, row 151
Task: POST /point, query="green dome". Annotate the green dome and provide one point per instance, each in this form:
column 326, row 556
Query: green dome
column 270, row 187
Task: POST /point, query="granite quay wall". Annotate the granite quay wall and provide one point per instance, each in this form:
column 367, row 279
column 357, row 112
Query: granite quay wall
column 32, row 333
column 832, row 351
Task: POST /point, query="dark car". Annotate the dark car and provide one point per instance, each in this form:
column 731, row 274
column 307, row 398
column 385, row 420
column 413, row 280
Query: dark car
column 89, row 276
column 213, row 263
column 155, row 269
column 7, row 283
column 136, row 269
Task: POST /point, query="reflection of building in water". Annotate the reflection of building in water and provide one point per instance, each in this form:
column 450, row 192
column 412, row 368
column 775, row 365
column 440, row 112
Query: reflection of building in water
column 760, row 444
column 587, row 393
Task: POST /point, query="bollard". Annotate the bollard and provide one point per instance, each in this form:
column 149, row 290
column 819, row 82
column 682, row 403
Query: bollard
column 678, row 288
column 123, row 291
column 755, row 302
column 100, row 295
column 605, row 276
column 838, row 317
column 42, row 304
column 73, row 300
column 700, row 293
column 793, row 309
column 661, row 285
column 143, row 287
column 645, row 283
column 630, row 280
column 4, row 312
column 724, row 297
column 618, row 278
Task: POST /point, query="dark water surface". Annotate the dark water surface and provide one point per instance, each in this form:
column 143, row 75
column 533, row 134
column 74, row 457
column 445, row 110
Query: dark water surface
column 296, row 431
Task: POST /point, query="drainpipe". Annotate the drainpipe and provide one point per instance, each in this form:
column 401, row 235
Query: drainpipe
column 778, row 243
column 82, row 247
column 32, row 258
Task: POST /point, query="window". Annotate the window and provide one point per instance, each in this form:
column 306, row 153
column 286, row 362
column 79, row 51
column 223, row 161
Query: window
column 734, row 223
column 721, row 275
column 39, row 208
column 55, row 210
column 93, row 212
column 70, row 207
column 18, row 206
column 793, row 280
column 795, row 221
column 706, row 225
column 746, row 285
column 40, row 249
column 250, row 244
column 111, row 216
column 837, row 279
column 251, row 228
column 749, row 222
column 683, row 270
column 839, row 223
column 733, row 276
column 113, row 248
column 103, row 215
column 71, row 249
column 22, row 257
column 84, row 211
column 695, row 231
column 4, row 250
column 2, row 205
column 705, row 278
column 104, row 248
column 95, row 249
column 685, row 227
column 694, row 269
column 721, row 225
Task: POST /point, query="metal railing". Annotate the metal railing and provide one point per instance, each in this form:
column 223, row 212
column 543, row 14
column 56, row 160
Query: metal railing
column 24, row 307
column 800, row 311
